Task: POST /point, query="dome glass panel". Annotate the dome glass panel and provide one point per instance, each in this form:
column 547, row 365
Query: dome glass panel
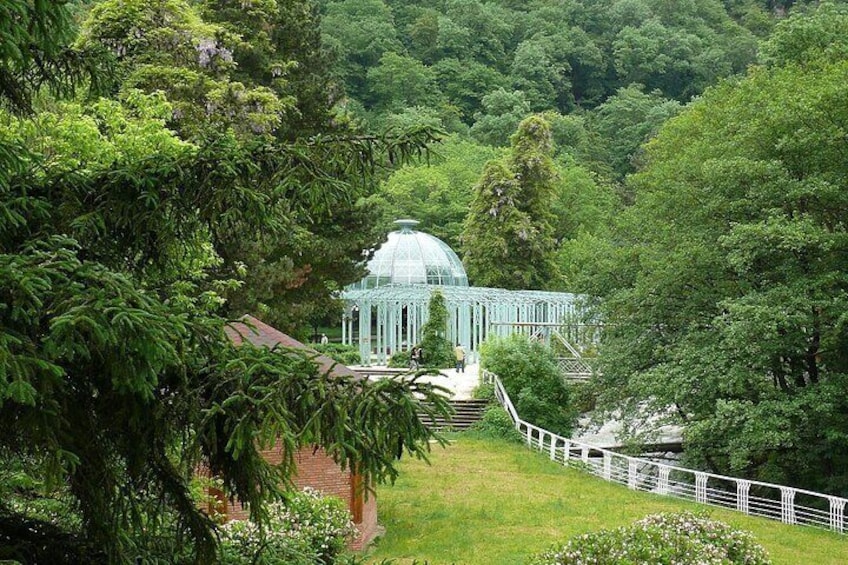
column 413, row 257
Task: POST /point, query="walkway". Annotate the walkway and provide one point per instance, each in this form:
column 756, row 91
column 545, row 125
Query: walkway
column 460, row 384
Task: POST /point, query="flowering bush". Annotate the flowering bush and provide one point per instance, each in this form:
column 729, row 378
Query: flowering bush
column 308, row 529
column 662, row 539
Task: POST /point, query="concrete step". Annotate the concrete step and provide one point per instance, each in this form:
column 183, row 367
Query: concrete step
column 466, row 413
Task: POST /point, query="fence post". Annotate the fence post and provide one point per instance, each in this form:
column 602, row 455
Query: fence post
column 701, row 487
column 607, row 465
column 787, row 505
column 837, row 514
column 566, row 452
column 662, row 481
column 743, row 488
column 584, row 454
column 632, row 473
column 554, row 441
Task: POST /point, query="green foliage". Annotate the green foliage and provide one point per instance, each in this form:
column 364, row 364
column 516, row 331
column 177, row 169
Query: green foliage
column 508, row 238
column 663, row 539
column 437, row 193
column 400, row 359
column 529, row 373
column 497, row 424
column 437, row 350
column 729, row 304
column 117, row 247
column 309, row 528
column 339, row 352
column 484, row 392
column 360, row 31
column 399, row 82
column 166, row 45
column 584, row 397
column 34, row 54
column 502, row 112
column 260, row 73
column 808, row 37
column 557, row 56
column 626, row 121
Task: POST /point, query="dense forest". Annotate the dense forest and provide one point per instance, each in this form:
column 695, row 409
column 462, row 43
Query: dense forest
column 168, row 164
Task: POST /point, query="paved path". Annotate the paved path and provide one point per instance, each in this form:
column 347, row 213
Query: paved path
column 461, row 384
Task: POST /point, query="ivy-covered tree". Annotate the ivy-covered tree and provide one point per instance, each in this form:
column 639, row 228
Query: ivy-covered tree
column 508, row 240
column 437, row 350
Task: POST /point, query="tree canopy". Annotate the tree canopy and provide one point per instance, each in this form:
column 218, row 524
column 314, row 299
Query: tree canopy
column 724, row 284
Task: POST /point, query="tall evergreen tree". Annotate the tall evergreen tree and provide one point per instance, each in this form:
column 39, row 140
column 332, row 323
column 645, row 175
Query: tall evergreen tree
column 508, row 238
column 116, row 379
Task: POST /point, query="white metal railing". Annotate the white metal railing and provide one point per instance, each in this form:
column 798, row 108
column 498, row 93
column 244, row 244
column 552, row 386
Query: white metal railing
column 575, row 369
column 788, row 504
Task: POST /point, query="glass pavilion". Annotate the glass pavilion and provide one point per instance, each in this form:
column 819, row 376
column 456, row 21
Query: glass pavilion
column 385, row 311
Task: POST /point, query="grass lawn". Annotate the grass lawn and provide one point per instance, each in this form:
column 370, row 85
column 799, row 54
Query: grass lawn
column 493, row 503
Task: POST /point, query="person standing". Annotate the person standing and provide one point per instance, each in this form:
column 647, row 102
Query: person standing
column 459, row 353
column 324, row 339
column 415, row 358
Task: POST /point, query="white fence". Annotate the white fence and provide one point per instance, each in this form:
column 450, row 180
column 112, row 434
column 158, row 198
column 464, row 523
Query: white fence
column 787, row 504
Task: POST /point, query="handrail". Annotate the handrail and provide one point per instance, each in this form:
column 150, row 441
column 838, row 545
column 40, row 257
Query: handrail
column 790, row 505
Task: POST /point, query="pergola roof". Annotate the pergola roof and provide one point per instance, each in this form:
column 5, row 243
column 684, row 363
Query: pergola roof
column 480, row 295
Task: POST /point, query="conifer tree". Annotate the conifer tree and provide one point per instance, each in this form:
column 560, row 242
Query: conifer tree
column 117, row 381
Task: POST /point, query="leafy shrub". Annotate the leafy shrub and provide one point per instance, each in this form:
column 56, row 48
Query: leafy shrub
column 531, row 377
column 340, row 353
column 661, row 539
column 309, row 528
column 484, row 391
column 400, row 359
column 496, row 423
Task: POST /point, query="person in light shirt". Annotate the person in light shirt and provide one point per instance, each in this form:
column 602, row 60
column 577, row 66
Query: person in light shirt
column 459, row 353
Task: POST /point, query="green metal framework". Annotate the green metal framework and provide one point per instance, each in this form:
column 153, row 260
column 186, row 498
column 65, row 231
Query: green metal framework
column 389, row 318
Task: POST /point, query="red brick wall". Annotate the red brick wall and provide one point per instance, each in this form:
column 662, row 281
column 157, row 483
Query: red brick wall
column 317, row 470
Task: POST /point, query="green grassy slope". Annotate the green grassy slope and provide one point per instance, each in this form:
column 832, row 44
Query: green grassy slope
column 494, row 503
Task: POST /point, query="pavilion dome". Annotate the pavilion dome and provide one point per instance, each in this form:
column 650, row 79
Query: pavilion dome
column 413, row 257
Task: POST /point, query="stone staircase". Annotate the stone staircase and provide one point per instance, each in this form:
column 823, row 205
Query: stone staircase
column 466, row 412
